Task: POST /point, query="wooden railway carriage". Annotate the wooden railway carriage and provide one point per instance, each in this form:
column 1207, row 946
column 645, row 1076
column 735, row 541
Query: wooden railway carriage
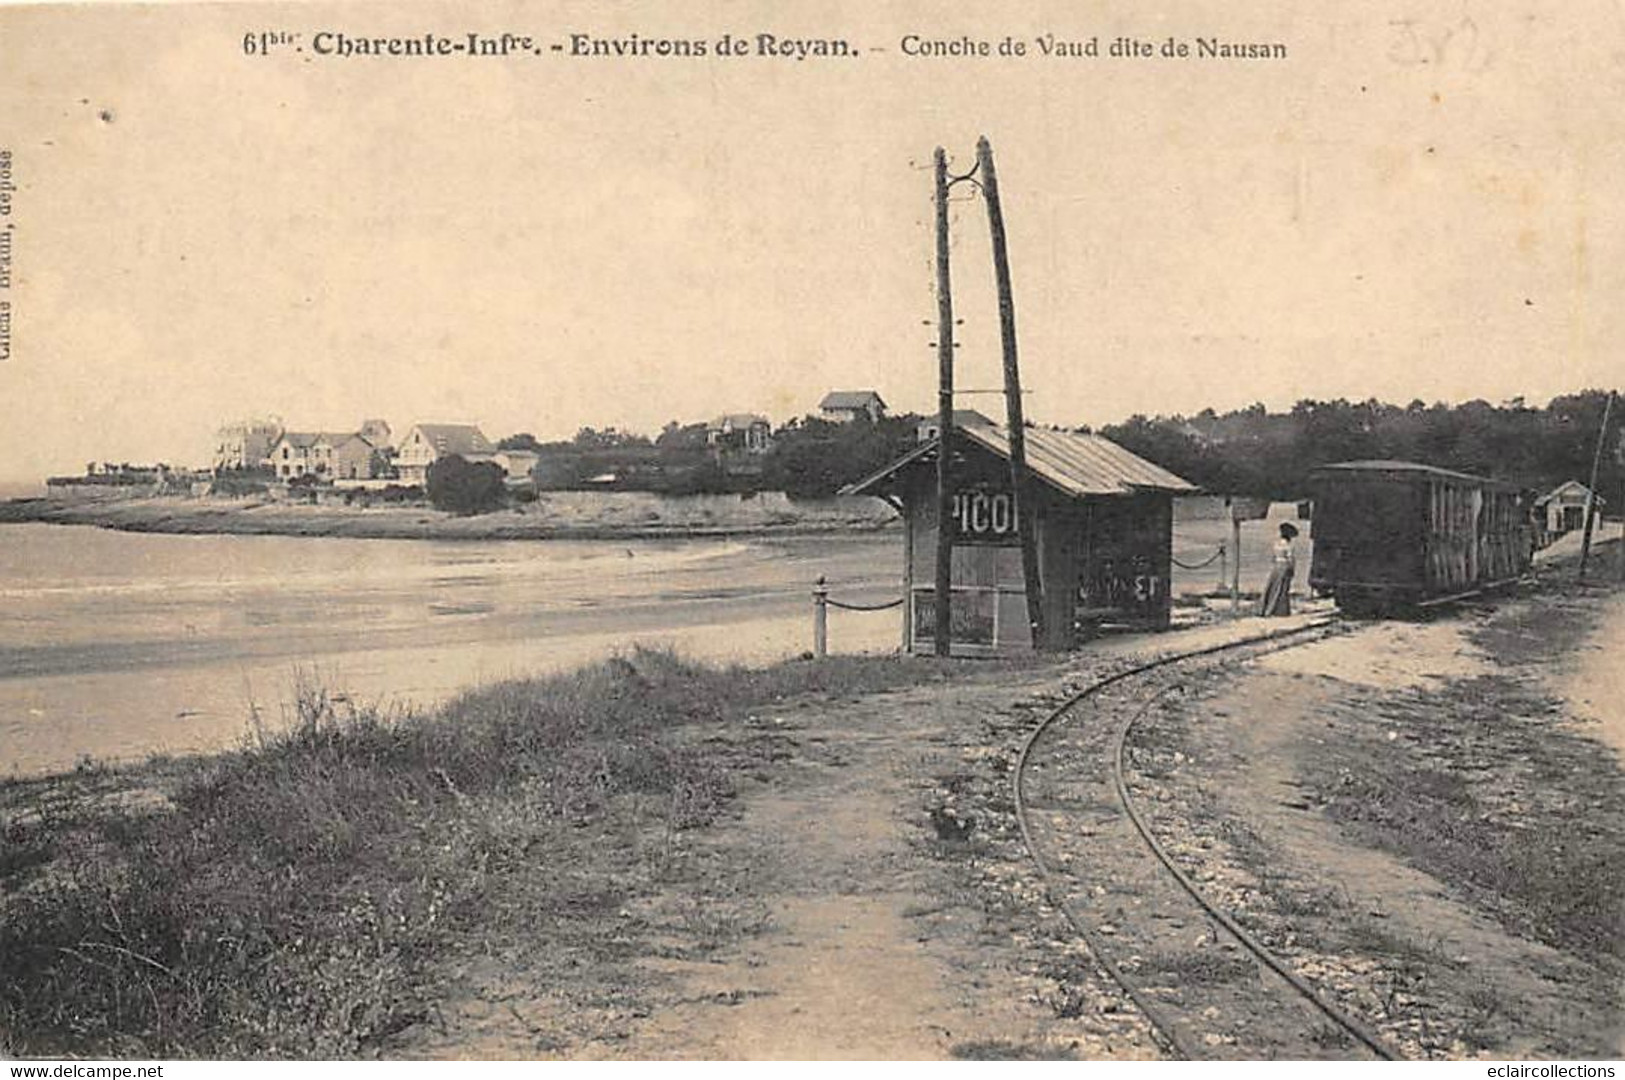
column 1392, row 534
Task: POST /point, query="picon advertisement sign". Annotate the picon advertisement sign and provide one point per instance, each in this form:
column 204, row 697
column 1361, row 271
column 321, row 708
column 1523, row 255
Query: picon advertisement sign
column 985, row 516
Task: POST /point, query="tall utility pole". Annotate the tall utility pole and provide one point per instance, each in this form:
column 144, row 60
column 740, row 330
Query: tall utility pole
column 1591, row 491
column 1020, row 488
column 942, row 602
column 1619, row 456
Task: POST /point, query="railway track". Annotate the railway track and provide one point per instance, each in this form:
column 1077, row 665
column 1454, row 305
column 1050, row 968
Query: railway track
column 1207, row 987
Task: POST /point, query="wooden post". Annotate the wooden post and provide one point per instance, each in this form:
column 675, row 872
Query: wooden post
column 1020, row 486
column 1235, row 563
column 820, row 619
column 1591, row 491
column 942, row 601
column 908, row 582
column 1621, row 551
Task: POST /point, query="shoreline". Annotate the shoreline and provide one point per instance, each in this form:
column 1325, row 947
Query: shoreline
column 554, row 516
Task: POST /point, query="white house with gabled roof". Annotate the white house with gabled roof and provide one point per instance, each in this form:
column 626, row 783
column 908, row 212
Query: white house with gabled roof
column 426, row 444
column 842, row 406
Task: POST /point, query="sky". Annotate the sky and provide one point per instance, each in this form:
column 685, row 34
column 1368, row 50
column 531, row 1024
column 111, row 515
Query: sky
column 1405, row 207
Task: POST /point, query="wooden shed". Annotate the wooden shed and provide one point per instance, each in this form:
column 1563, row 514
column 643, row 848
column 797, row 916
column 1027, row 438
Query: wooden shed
column 1563, row 509
column 1104, row 535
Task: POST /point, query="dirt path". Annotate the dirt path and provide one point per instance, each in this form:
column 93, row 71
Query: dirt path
column 1383, row 808
column 881, row 938
column 1409, row 817
column 829, row 919
column 1593, row 678
column 840, row 971
column 821, row 923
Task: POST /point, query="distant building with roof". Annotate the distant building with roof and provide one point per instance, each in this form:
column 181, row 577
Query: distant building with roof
column 928, row 428
column 376, row 432
column 425, row 444
column 842, row 406
column 245, row 445
column 330, row 455
column 748, row 432
column 519, row 465
column 1563, row 508
column 739, row 443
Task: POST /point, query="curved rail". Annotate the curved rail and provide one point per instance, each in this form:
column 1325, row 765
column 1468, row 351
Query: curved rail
column 1160, row 1028
column 1250, row 943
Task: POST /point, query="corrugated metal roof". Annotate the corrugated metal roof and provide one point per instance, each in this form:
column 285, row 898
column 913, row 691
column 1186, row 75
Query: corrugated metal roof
column 1073, row 463
column 1081, row 464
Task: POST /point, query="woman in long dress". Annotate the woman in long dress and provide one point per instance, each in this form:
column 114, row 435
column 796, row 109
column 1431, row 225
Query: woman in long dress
column 1278, row 591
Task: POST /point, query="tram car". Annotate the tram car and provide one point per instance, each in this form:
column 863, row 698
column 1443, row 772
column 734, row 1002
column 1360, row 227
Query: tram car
column 1395, row 535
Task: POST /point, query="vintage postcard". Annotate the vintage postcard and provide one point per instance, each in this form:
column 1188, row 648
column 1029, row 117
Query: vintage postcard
column 655, row 530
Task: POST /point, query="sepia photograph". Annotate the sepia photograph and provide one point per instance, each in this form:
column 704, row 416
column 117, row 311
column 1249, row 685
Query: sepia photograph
column 644, row 531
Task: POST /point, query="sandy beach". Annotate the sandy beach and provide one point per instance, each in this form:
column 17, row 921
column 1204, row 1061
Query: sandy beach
column 554, row 515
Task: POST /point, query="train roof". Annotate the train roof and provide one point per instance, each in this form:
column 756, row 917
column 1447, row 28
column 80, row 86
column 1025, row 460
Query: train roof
column 1412, row 469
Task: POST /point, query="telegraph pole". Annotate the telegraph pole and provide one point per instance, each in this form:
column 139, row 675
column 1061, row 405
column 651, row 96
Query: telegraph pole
column 1020, row 489
column 943, row 603
column 1591, row 490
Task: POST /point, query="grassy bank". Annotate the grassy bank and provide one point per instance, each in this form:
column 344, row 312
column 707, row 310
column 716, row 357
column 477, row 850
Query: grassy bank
column 307, row 897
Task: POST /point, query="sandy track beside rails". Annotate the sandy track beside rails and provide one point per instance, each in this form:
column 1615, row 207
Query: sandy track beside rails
column 829, row 919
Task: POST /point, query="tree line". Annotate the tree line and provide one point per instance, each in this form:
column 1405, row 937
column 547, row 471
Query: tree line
column 1255, row 452
column 1249, row 451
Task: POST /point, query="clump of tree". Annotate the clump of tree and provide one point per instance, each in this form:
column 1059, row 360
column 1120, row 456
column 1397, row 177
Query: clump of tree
column 1254, row 451
column 459, row 486
column 809, row 458
column 815, row 458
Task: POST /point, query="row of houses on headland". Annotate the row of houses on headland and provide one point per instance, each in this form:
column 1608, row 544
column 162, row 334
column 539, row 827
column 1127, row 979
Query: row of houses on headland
column 370, row 453
column 367, row 453
column 362, row 454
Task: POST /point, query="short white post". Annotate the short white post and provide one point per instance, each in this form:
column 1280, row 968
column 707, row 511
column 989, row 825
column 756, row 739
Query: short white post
column 820, row 619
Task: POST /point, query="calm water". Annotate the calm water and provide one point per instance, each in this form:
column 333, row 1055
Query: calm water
column 116, row 645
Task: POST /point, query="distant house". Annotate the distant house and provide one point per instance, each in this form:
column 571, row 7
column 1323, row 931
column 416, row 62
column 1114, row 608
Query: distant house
column 845, row 405
column 1563, row 508
column 377, row 433
column 748, row 432
column 520, row 465
column 330, row 455
column 426, row 444
column 290, row 457
column 245, row 445
column 928, row 429
column 353, row 456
